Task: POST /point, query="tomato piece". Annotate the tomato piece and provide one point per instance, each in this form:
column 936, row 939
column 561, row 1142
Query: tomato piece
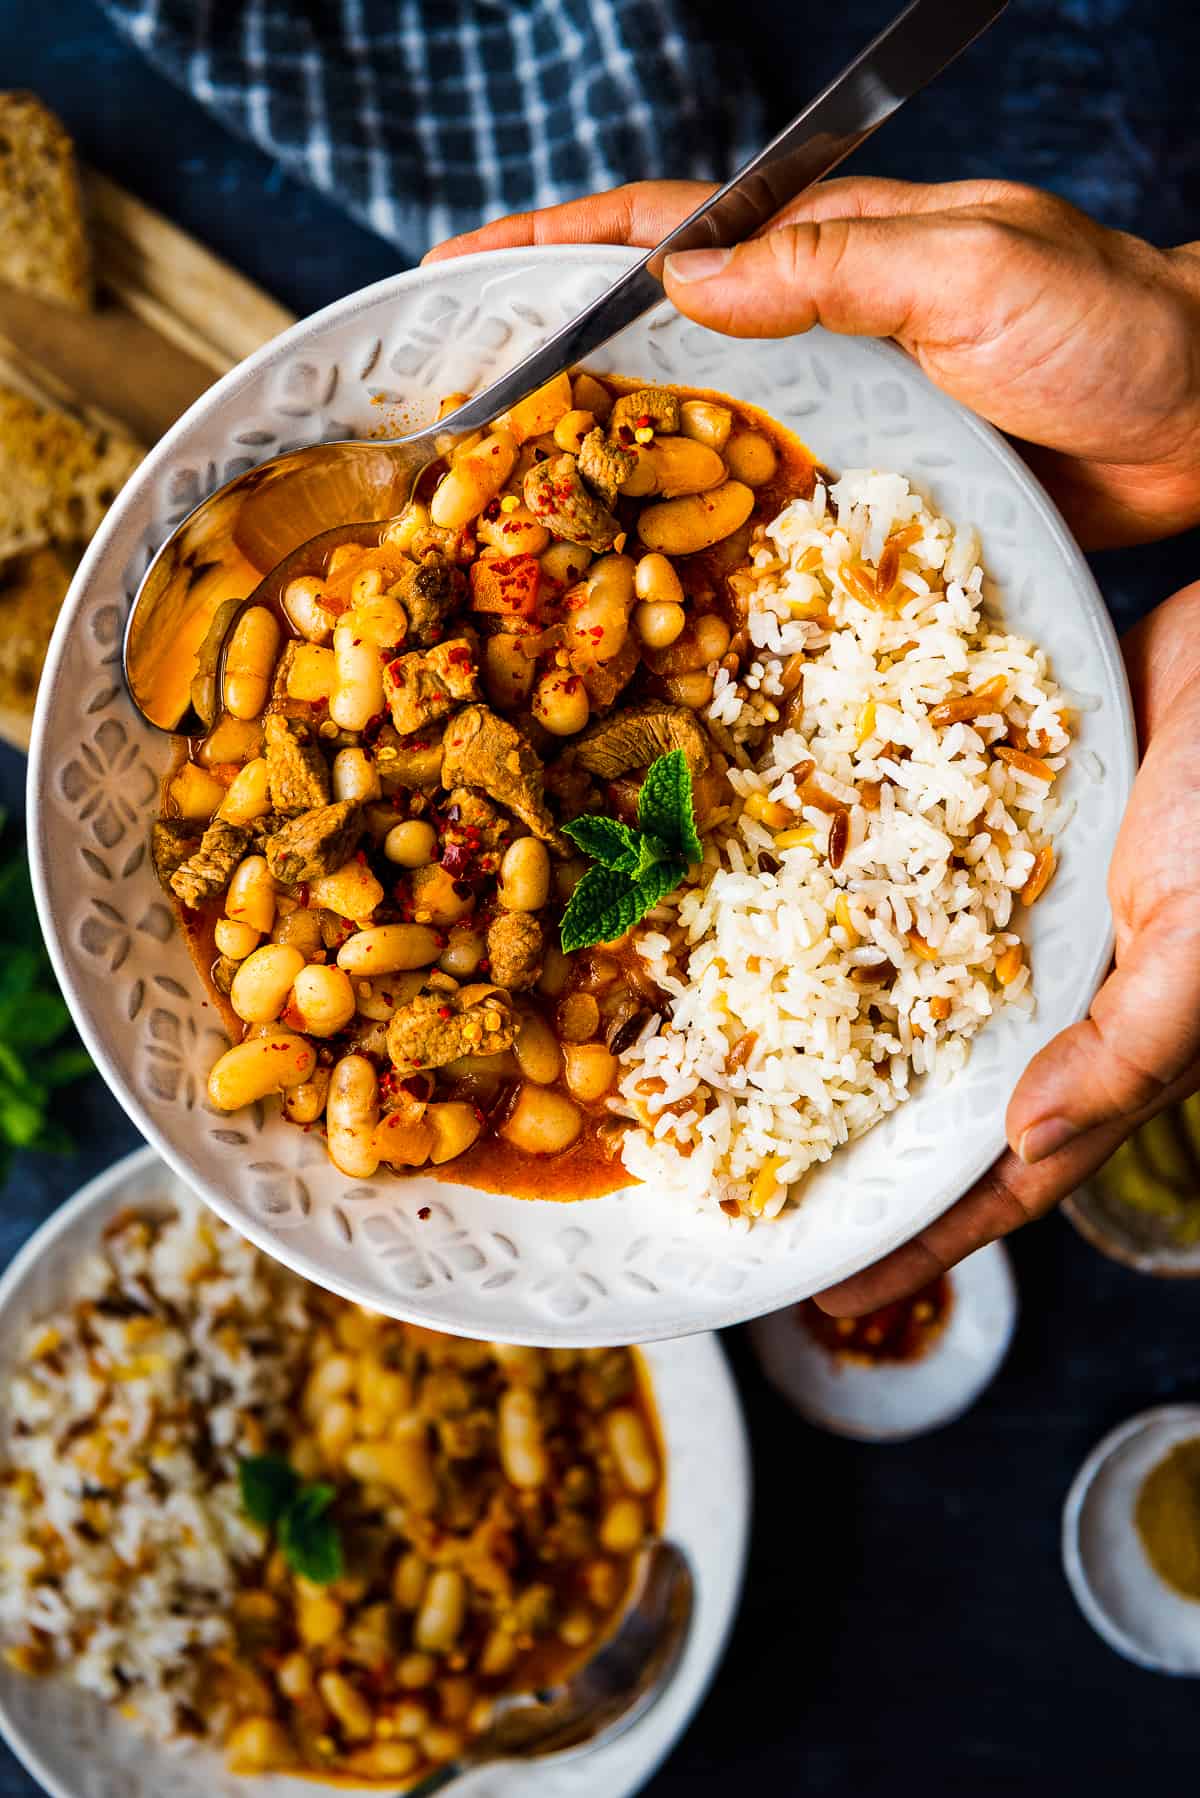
column 506, row 584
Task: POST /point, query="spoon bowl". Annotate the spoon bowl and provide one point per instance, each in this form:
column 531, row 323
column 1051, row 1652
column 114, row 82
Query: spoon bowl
column 608, row 1693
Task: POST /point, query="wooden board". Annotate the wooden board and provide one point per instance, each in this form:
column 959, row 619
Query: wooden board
column 170, row 318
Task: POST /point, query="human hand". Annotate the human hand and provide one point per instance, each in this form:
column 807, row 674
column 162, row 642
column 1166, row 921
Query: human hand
column 1081, row 342
column 1139, row 1049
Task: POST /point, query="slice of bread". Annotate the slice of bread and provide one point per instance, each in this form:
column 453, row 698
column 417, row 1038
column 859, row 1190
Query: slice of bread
column 58, row 475
column 32, row 588
column 43, row 235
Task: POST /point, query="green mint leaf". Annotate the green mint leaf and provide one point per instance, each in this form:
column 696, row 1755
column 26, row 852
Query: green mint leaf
column 659, row 880
column 604, row 905
column 311, row 1544
column 665, row 805
column 606, row 840
column 268, row 1486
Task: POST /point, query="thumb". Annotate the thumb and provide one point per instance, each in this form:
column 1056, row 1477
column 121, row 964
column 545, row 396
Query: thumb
column 871, row 277
column 1131, row 1056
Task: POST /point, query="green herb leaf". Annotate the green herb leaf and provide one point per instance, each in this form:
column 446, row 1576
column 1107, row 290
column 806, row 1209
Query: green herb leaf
column 606, row 840
column 665, row 806
column 659, row 880
column 604, row 905
column 309, row 1538
column 268, row 1486
column 64, row 1067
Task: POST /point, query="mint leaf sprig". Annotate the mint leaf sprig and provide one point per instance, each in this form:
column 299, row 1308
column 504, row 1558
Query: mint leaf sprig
column 635, row 868
column 274, row 1495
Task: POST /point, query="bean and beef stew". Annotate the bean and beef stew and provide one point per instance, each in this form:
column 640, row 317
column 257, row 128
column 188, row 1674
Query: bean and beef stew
column 367, row 848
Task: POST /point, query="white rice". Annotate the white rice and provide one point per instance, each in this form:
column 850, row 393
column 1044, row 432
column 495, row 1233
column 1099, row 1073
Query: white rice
column 121, row 1526
column 742, row 950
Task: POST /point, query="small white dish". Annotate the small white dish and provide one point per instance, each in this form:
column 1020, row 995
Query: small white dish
column 78, row 1747
column 630, row 1267
column 1107, row 1568
column 893, row 1401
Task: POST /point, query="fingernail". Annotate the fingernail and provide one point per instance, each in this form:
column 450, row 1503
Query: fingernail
column 1042, row 1140
column 696, row 265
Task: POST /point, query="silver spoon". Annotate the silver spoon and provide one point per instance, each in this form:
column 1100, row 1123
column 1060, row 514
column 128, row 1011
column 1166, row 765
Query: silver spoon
column 232, row 545
column 608, row 1693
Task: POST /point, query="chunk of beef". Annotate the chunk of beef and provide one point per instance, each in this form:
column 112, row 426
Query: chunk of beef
column 555, row 493
column 637, row 734
column 474, row 823
column 206, row 873
column 440, row 1026
column 605, row 681
column 487, row 752
column 405, row 763
column 516, row 943
column 172, row 841
column 425, row 686
column 429, row 591
column 657, row 406
column 605, row 466
column 299, row 773
column 315, row 843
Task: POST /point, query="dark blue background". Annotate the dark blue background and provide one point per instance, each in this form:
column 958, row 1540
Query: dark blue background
column 906, row 1628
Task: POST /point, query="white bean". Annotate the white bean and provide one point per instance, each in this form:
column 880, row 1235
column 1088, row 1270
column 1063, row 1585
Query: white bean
column 565, row 562
column 572, row 428
column 389, row 949
column 473, row 480
column 263, row 982
column 262, row 1065
column 560, row 702
column 249, row 661
column 750, row 457
column 304, row 1104
column 455, row 1127
column 324, row 998
column 303, row 601
column 632, row 1450
column 705, row 422
column 443, row 1608
column 656, row 579
column 358, row 693
column 519, row 1439
column 682, row 527
column 249, row 794
column 659, row 623
column 464, row 951
column 536, row 1048
column 524, row 875
column 542, row 1122
column 234, row 940
column 355, row 776
column 351, row 1114
column 410, row 844
column 591, row 1070
column 251, row 896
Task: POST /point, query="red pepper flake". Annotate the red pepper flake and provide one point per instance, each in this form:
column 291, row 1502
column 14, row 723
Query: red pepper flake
column 484, row 965
column 457, row 657
column 303, row 895
column 480, row 1115
column 444, row 1011
column 492, row 510
column 625, row 434
column 424, row 1213
column 644, row 420
column 392, row 671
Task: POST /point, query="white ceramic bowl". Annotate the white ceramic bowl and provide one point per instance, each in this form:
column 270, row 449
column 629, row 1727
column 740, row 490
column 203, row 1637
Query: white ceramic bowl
column 627, row 1267
column 1107, row 1568
column 895, row 1401
column 80, row 1748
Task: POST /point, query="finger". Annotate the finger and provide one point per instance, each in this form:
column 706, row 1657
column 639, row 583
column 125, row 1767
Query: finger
column 640, row 213
column 1010, row 1194
column 1142, row 1036
column 889, row 277
column 1162, row 656
column 870, row 196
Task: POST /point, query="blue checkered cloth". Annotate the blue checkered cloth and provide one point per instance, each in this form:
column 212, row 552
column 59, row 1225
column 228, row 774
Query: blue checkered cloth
column 428, row 117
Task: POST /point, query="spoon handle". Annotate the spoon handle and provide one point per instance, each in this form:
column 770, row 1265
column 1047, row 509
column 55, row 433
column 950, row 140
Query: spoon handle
column 918, row 44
